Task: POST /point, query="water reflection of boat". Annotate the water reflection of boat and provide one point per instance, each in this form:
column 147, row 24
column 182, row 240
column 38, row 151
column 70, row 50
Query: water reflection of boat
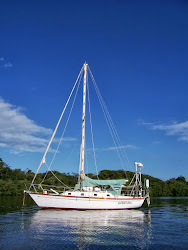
column 88, row 218
column 86, row 228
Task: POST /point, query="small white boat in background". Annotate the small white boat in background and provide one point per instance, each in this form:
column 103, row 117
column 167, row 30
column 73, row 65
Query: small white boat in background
column 91, row 194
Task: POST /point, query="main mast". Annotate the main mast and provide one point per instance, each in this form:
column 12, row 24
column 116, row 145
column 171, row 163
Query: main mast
column 82, row 151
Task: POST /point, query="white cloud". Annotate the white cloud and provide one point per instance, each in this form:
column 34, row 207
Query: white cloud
column 180, row 130
column 18, row 132
column 113, row 148
column 5, row 64
column 8, row 65
column 118, row 148
column 156, row 142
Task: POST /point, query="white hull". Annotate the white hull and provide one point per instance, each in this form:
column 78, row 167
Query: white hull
column 47, row 201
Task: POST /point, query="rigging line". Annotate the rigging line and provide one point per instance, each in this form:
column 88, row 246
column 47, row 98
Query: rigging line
column 71, row 152
column 120, row 145
column 57, row 178
column 63, row 130
column 94, row 154
column 122, row 149
column 86, row 163
column 102, row 106
column 107, row 121
column 43, row 158
column 110, row 129
column 109, row 118
column 79, row 180
column 106, row 117
column 113, row 136
column 114, row 129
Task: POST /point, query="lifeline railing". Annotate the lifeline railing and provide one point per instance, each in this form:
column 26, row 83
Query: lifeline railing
column 42, row 188
column 136, row 193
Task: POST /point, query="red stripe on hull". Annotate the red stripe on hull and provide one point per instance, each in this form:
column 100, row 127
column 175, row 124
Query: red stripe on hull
column 83, row 209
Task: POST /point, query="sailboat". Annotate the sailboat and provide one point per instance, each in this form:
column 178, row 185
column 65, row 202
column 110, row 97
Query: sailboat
column 88, row 193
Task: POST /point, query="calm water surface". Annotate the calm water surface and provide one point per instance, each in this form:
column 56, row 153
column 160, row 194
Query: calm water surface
column 163, row 226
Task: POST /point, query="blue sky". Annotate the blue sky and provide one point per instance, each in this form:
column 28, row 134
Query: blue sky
column 137, row 52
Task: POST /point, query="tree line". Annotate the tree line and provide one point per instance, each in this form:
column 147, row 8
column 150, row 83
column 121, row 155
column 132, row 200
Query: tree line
column 12, row 181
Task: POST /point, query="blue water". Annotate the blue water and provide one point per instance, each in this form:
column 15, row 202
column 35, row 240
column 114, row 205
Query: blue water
column 163, row 226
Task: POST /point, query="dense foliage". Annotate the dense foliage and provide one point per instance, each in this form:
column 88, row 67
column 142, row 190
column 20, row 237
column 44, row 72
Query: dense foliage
column 12, row 181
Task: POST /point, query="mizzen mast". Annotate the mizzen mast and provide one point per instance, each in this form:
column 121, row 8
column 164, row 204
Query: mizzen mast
column 82, row 151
